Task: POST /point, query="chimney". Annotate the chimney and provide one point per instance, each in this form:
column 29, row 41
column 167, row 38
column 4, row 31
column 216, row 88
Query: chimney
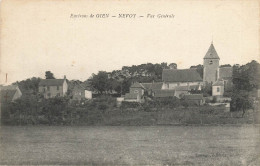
column 64, row 77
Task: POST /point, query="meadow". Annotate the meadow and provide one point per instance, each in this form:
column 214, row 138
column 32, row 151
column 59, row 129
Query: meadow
column 130, row 145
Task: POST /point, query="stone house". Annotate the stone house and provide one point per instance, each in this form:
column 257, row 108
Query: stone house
column 50, row 88
column 136, row 93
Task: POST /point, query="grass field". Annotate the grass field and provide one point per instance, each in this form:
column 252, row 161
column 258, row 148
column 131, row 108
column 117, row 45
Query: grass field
column 132, row 145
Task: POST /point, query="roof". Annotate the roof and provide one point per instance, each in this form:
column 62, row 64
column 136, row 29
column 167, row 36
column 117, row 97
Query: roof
column 9, row 87
column 182, row 88
column 211, row 53
column 51, row 82
column 131, row 96
column 153, row 86
column 194, row 97
column 7, row 95
column 219, row 83
column 225, row 72
column 137, row 85
column 164, row 93
column 183, row 75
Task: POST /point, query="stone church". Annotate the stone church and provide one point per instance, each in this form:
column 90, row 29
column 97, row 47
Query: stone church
column 218, row 77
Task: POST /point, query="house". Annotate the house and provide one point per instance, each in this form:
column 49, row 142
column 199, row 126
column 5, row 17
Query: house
column 151, row 87
column 137, row 88
column 180, row 91
column 136, row 93
column 196, row 99
column 53, row 87
column 180, row 77
column 218, row 88
column 9, row 93
column 79, row 92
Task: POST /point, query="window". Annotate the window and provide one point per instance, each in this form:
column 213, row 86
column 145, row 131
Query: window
column 48, row 88
column 58, row 88
column 49, row 95
column 218, row 89
column 136, row 91
column 210, row 62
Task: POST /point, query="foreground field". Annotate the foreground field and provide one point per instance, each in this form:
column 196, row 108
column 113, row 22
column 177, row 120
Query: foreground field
column 108, row 145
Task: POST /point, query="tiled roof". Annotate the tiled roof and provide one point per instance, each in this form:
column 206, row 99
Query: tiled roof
column 184, row 75
column 182, row 88
column 164, row 93
column 137, row 85
column 51, row 82
column 219, row 83
column 131, row 96
column 211, row 53
column 225, row 72
column 194, row 97
column 153, row 86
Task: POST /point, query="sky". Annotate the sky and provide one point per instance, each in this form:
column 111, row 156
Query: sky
column 39, row 36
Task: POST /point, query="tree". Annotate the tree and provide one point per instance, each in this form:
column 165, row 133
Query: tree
column 199, row 69
column 29, row 85
column 241, row 101
column 226, row 65
column 100, row 82
column 245, row 80
column 49, row 75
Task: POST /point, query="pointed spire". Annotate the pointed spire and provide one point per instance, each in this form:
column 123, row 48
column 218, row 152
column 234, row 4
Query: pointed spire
column 211, row 53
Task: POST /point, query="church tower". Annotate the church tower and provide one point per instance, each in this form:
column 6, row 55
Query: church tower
column 211, row 65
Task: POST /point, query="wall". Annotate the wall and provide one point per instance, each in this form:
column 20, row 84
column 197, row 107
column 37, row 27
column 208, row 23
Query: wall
column 210, row 70
column 65, row 88
column 88, row 94
column 53, row 91
column 215, row 92
column 78, row 93
column 171, row 85
column 140, row 91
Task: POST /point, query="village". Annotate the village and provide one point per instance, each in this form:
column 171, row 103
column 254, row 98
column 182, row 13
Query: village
column 211, row 86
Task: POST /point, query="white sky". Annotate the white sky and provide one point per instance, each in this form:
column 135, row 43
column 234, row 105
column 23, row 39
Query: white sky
column 37, row 36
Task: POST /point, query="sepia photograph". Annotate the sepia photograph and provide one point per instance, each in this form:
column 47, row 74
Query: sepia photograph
column 118, row 82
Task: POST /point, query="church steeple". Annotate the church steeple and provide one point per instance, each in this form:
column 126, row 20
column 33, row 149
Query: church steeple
column 211, row 65
column 211, row 53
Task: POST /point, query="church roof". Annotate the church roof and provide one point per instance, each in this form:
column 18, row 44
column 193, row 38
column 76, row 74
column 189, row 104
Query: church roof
column 183, row 75
column 211, row 53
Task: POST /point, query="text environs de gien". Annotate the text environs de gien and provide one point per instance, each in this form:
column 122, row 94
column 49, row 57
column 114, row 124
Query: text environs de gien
column 122, row 16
